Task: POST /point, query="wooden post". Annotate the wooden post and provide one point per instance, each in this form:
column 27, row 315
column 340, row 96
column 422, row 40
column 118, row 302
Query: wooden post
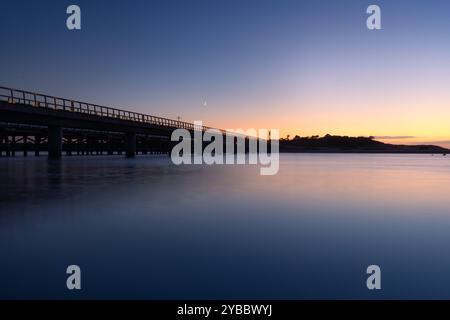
column 13, row 145
column 54, row 142
column 7, row 146
column 69, row 146
column 131, row 144
column 25, row 145
column 37, row 142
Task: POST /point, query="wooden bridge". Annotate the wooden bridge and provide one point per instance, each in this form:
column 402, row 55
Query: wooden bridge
column 33, row 122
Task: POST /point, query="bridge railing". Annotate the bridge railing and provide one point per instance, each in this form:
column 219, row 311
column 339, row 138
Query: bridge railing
column 39, row 100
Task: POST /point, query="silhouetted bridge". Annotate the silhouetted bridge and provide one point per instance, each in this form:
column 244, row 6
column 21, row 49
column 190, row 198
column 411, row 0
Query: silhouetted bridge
column 33, row 122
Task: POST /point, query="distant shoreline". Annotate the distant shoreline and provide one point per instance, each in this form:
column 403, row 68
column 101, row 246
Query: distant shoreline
column 339, row 144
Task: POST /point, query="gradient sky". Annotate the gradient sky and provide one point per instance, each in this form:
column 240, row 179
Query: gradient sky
column 306, row 67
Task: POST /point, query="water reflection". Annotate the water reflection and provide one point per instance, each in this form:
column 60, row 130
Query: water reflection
column 145, row 228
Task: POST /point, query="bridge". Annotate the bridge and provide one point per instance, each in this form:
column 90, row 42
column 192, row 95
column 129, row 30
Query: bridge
column 34, row 122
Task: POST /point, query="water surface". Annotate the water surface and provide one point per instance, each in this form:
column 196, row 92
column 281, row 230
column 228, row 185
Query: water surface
column 144, row 228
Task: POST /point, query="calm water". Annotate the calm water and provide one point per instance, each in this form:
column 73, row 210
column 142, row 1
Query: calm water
column 145, row 228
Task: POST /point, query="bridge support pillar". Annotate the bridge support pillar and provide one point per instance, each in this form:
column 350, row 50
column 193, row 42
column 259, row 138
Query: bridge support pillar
column 69, row 147
column 8, row 146
column 13, row 145
column 130, row 141
column 25, row 145
column 55, row 142
column 37, row 142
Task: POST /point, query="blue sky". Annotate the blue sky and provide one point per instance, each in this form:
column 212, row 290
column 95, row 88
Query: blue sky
column 306, row 67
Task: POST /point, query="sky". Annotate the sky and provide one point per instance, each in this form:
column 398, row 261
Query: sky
column 304, row 67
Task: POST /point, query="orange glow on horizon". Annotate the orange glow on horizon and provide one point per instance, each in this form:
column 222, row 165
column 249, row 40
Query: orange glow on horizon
column 395, row 126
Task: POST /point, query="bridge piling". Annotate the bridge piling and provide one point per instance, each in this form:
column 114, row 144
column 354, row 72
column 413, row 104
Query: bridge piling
column 110, row 146
column 37, row 142
column 55, row 142
column 130, row 144
column 7, row 146
column 25, row 145
column 2, row 144
column 69, row 147
column 13, row 145
column 80, row 146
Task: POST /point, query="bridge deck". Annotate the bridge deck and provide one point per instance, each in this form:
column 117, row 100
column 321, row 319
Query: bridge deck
column 16, row 101
column 21, row 110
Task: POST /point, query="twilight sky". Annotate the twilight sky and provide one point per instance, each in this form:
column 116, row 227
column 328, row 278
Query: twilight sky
column 306, row 67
